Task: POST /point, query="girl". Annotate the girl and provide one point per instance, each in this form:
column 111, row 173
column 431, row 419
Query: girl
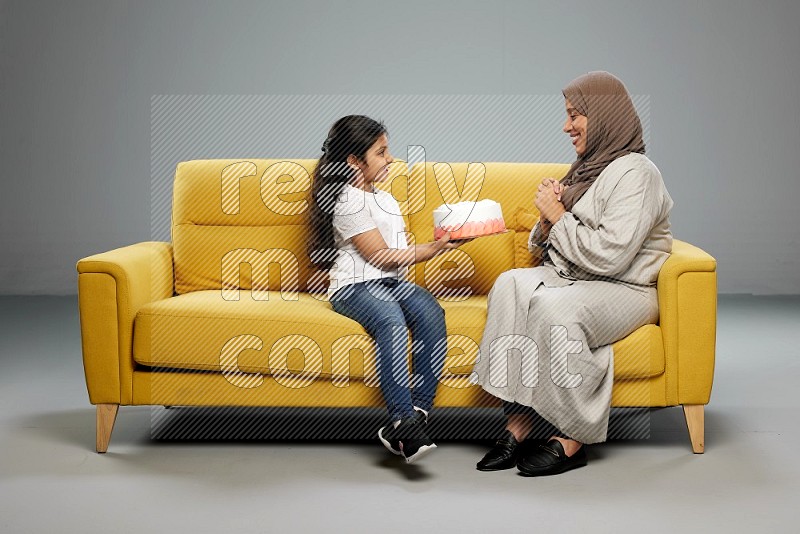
column 359, row 236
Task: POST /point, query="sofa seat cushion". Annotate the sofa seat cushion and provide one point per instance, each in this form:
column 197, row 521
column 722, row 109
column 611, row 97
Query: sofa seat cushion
column 638, row 356
column 201, row 331
column 306, row 338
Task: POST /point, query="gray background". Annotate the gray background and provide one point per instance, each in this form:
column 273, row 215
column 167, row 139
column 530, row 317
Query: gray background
column 718, row 81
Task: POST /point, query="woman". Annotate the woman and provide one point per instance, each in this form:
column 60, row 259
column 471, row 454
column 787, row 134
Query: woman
column 603, row 235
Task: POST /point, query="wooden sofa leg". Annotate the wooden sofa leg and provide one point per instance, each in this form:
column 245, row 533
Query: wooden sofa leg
column 695, row 420
column 106, row 415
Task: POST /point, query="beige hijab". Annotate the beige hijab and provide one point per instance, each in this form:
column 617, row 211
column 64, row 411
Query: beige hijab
column 614, row 130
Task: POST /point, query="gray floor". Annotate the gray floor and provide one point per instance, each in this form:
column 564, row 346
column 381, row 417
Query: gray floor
column 53, row 481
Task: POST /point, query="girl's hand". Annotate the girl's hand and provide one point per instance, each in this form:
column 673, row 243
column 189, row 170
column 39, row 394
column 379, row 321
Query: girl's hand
column 457, row 243
column 444, row 242
column 439, row 244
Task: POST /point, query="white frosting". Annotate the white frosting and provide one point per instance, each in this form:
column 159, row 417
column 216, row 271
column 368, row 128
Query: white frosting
column 461, row 212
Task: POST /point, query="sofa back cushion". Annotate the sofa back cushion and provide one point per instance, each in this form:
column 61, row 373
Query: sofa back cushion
column 227, row 213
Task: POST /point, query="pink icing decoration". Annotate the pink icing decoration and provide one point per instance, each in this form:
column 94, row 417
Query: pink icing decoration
column 471, row 229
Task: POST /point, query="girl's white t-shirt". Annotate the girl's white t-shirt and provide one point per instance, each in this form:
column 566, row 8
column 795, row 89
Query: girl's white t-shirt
column 357, row 211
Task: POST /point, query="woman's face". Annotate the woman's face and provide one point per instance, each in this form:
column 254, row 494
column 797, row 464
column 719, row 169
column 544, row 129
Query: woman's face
column 575, row 126
column 375, row 167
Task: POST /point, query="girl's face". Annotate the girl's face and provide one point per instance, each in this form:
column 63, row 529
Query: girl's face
column 375, row 166
column 575, row 126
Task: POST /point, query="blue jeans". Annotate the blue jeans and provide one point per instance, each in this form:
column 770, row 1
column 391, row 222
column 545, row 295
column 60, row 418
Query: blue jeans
column 386, row 309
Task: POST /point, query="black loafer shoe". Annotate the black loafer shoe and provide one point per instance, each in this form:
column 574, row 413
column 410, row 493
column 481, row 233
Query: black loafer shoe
column 549, row 459
column 502, row 456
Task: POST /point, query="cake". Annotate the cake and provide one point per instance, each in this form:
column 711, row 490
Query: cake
column 468, row 219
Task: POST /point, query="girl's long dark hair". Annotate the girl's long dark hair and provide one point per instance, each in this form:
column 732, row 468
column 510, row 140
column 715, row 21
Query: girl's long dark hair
column 353, row 134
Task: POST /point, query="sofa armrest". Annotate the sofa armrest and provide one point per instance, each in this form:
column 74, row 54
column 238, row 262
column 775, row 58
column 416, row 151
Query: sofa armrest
column 112, row 286
column 687, row 298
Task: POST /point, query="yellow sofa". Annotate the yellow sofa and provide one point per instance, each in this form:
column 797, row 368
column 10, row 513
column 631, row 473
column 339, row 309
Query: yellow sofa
column 232, row 313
